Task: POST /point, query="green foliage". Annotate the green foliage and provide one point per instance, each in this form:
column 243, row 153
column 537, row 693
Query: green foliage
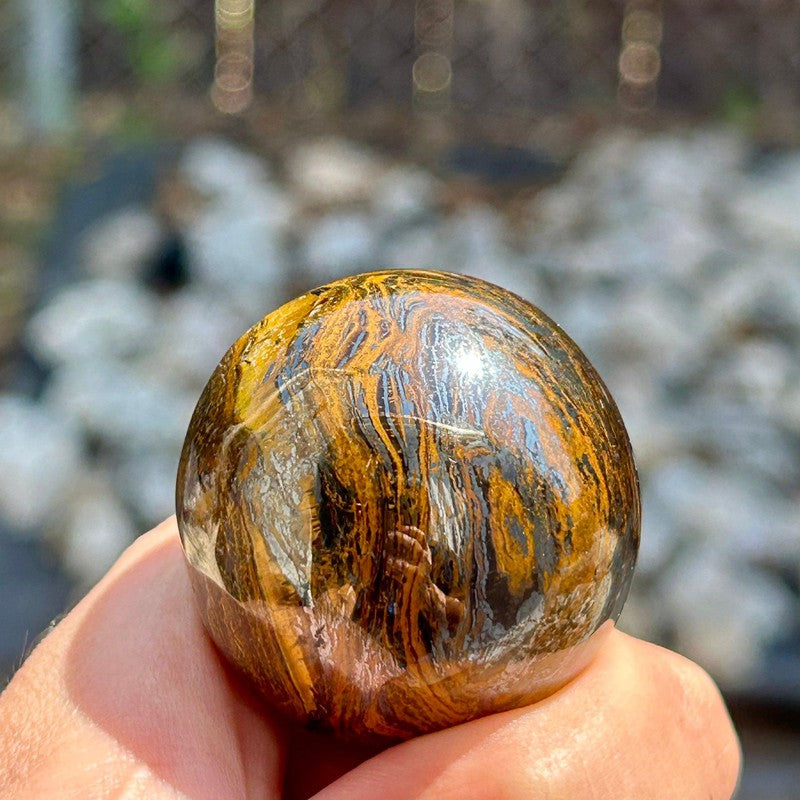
column 740, row 107
column 128, row 16
column 152, row 52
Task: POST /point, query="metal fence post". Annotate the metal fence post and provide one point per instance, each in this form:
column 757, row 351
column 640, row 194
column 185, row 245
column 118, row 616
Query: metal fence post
column 49, row 63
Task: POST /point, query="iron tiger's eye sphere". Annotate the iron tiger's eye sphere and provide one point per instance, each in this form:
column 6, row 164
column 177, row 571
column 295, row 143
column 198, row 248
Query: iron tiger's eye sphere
column 407, row 500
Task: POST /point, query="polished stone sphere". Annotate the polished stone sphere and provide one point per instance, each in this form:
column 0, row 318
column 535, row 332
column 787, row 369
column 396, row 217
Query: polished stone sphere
column 407, row 500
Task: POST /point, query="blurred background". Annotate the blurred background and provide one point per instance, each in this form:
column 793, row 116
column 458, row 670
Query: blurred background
column 172, row 171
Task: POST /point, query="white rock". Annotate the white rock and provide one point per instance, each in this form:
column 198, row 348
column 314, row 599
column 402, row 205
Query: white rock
column 686, row 490
column 621, row 254
column 660, row 536
column 650, row 418
column 728, row 648
column 635, row 208
column 340, row 244
column 147, row 482
column 774, row 538
column 476, row 239
column 195, row 330
column 415, row 248
column 637, row 252
column 660, row 246
column 332, row 170
column 643, row 615
column 236, row 243
column 741, row 435
column 724, row 613
column 584, row 316
column 40, row 457
column 767, row 207
column 121, row 246
column 788, row 405
column 404, row 195
column 679, row 172
column 685, row 241
column 96, row 529
column 645, row 326
column 123, row 407
column 734, row 511
column 757, row 372
column 557, row 213
column 236, row 247
column 761, row 287
column 217, row 167
column 93, row 320
column 513, row 273
column 687, row 171
column 606, row 159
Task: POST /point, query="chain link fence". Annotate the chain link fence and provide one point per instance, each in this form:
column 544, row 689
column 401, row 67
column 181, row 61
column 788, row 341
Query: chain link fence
column 696, row 230
column 498, row 58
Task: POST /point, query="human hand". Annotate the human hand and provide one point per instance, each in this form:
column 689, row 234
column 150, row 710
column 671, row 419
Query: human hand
column 127, row 698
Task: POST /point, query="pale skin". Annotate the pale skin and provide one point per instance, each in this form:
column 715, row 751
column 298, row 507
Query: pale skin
column 127, row 698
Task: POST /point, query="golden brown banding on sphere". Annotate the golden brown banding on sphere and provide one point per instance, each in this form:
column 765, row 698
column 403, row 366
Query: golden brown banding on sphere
column 407, row 500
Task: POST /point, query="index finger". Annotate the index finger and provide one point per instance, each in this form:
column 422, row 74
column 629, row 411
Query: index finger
column 639, row 722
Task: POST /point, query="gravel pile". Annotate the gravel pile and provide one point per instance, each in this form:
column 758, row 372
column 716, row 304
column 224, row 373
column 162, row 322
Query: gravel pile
column 671, row 260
